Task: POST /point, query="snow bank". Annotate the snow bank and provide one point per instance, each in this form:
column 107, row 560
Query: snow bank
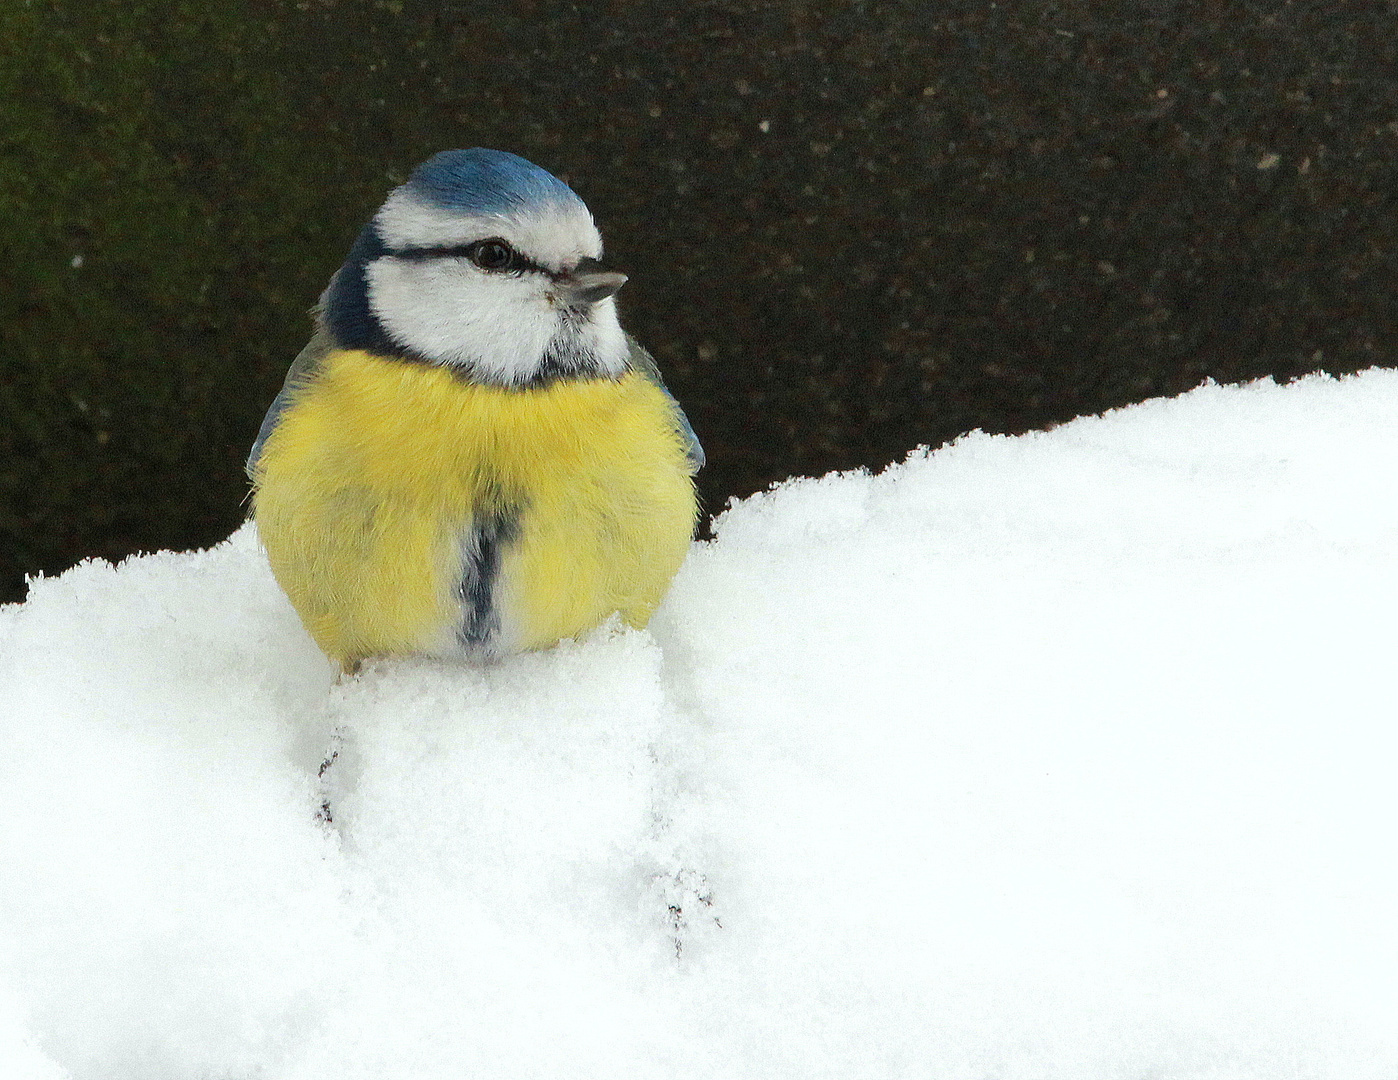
column 1064, row 755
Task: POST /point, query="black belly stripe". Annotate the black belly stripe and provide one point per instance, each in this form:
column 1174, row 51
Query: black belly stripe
column 480, row 566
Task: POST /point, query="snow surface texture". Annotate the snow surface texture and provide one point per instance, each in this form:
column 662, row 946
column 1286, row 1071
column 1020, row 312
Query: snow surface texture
column 1063, row 756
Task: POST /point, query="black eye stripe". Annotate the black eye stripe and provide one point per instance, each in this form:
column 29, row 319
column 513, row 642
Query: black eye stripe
column 518, row 260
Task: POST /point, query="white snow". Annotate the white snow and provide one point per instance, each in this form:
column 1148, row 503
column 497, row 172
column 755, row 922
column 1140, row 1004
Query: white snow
column 1069, row 755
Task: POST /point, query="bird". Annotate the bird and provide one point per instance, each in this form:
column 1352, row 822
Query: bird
column 471, row 458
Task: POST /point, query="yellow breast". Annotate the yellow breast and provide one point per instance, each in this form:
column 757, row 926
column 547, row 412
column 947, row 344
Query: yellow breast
column 387, row 485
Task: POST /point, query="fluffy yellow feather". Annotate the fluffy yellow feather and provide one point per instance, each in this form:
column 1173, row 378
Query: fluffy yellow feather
column 379, row 469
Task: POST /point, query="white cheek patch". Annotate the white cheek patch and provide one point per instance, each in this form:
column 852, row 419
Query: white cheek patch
column 452, row 313
column 500, row 328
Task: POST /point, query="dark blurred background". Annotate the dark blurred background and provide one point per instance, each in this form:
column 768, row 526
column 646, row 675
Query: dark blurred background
column 852, row 228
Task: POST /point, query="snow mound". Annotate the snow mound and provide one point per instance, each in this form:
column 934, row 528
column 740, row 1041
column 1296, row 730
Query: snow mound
column 1064, row 755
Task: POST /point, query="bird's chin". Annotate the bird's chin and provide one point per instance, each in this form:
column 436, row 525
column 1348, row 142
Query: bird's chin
column 588, row 344
column 575, row 354
column 572, row 353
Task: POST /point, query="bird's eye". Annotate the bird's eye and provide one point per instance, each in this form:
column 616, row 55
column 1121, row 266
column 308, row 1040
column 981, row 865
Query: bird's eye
column 492, row 254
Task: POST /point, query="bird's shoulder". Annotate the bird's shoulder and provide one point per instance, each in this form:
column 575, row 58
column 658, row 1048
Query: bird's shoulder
column 640, row 361
column 303, row 369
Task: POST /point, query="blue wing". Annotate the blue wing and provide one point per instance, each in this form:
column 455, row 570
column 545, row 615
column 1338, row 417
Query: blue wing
column 642, row 361
column 302, row 369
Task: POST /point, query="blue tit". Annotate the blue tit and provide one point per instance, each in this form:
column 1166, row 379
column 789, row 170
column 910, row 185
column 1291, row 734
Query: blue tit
column 471, row 458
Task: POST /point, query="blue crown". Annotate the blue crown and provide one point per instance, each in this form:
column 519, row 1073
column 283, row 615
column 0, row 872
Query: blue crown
column 480, row 181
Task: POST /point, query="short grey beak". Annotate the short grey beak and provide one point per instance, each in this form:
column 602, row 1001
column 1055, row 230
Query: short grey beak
column 589, row 282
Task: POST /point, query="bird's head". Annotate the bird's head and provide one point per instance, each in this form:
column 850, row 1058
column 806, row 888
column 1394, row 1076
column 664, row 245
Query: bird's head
column 485, row 263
